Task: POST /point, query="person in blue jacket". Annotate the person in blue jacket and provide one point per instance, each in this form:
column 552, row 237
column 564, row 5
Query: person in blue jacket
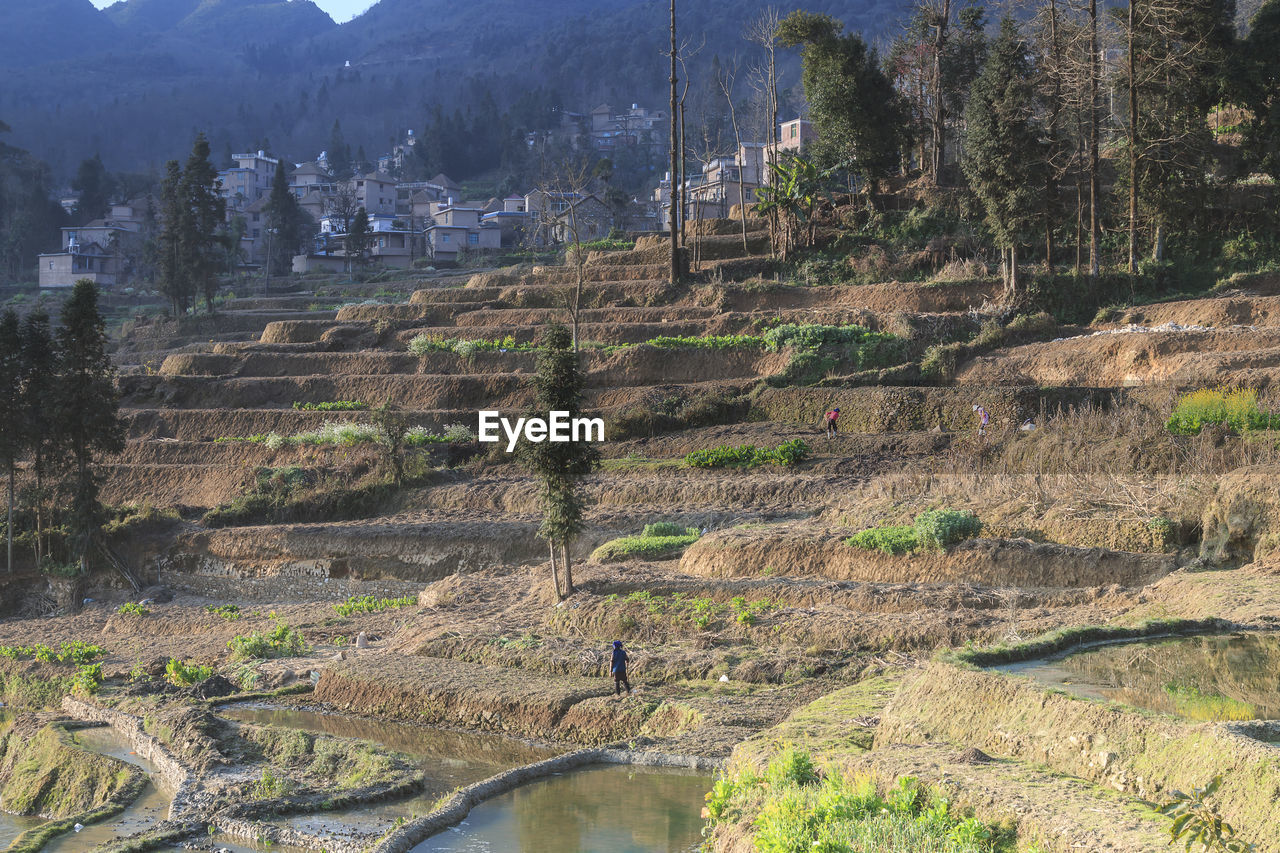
column 618, row 666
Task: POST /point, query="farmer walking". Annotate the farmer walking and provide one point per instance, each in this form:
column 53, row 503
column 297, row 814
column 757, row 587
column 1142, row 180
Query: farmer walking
column 619, row 669
column 831, row 417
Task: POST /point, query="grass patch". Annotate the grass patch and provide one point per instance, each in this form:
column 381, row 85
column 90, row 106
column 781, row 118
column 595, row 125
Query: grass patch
column 183, row 674
column 658, row 541
column 331, row 406
column 425, row 343
column 749, row 456
column 1190, row 702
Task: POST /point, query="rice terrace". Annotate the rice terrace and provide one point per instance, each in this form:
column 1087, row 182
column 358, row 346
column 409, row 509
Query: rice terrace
column 875, row 448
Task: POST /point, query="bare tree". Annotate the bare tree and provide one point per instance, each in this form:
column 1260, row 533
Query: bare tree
column 763, row 31
column 675, row 153
column 726, row 82
column 342, row 207
column 678, row 181
column 572, row 182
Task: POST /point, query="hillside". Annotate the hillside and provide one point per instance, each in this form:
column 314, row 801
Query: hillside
column 250, row 70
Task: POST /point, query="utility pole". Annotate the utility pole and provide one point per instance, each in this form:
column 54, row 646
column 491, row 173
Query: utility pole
column 675, row 144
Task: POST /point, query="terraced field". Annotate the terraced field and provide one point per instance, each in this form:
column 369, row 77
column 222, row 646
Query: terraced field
column 1091, row 511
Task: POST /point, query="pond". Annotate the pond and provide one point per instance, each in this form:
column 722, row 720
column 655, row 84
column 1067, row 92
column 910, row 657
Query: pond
column 1213, row 677
column 609, row 809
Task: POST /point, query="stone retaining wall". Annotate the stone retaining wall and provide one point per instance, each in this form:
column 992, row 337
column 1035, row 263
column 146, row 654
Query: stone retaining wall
column 171, row 773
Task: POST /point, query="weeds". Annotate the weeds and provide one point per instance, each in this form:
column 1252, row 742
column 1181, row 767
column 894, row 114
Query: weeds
column 183, row 674
column 1196, row 821
column 131, row 608
column 936, row 529
column 280, row 642
column 648, row 545
column 229, row 612
column 331, row 406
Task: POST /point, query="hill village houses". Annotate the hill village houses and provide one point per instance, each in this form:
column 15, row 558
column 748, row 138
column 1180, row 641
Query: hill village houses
column 426, row 222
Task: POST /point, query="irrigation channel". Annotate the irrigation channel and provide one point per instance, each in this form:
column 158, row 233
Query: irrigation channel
column 1212, row 677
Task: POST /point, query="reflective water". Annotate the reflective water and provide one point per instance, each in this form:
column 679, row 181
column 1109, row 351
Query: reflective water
column 596, row 810
column 149, row 809
column 1216, row 677
column 11, row 825
column 449, row 759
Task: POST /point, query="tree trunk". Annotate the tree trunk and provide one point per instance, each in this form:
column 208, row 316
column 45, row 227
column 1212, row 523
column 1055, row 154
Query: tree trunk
column 568, row 569
column 9, row 524
column 555, row 572
column 1095, row 167
column 939, row 112
column 1133, row 147
column 1157, row 244
column 1014, row 284
column 38, row 465
column 675, row 249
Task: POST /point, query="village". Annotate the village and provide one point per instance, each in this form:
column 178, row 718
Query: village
column 420, row 224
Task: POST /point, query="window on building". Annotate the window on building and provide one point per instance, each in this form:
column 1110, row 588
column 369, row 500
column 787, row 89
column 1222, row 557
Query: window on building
column 444, row 238
column 473, row 239
column 257, row 232
column 50, row 264
column 795, row 129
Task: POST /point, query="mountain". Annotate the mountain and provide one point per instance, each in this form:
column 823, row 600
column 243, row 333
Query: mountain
column 36, row 33
column 229, row 24
column 135, row 81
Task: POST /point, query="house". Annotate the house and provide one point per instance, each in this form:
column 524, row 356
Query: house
column 392, row 244
column 795, row 134
column 454, row 228
column 248, row 181
column 376, row 193
column 586, row 219
column 84, row 260
column 103, row 251
column 636, row 126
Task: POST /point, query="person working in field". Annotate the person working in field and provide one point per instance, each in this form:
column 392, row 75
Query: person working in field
column 830, row 418
column 983, row 419
column 618, row 666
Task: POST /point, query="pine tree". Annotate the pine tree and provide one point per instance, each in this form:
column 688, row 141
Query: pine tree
column 87, row 409
column 203, row 212
column 339, row 153
column 95, row 185
column 558, row 387
column 1258, row 85
column 1005, row 146
column 37, row 411
column 359, row 239
column 284, row 224
column 14, row 437
column 171, row 269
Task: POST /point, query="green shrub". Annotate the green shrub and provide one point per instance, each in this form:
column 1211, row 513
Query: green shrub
column 182, row 674
column 1236, row 408
column 87, row 680
column 280, row 642
column 942, row 528
column 230, row 612
column 369, row 604
column 891, row 539
column 860, row 347
column 938, row 529
column 130, row 608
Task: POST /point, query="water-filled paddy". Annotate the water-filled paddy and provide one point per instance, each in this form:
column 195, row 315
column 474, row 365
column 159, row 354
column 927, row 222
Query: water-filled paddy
column 1215, row 677
column 613, row 809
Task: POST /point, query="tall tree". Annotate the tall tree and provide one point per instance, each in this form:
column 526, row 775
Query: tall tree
column 13, row 438
column 856, row 111
column 285, row 224
column 1258, row 85
column 559, row 466
column 88, row 410
column 171, row 268
column 339, row 153
column 95, row 185
column 38, row 410
column 676, row 191
column 359, row 238
column 203, row 212
column 1005, row 145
